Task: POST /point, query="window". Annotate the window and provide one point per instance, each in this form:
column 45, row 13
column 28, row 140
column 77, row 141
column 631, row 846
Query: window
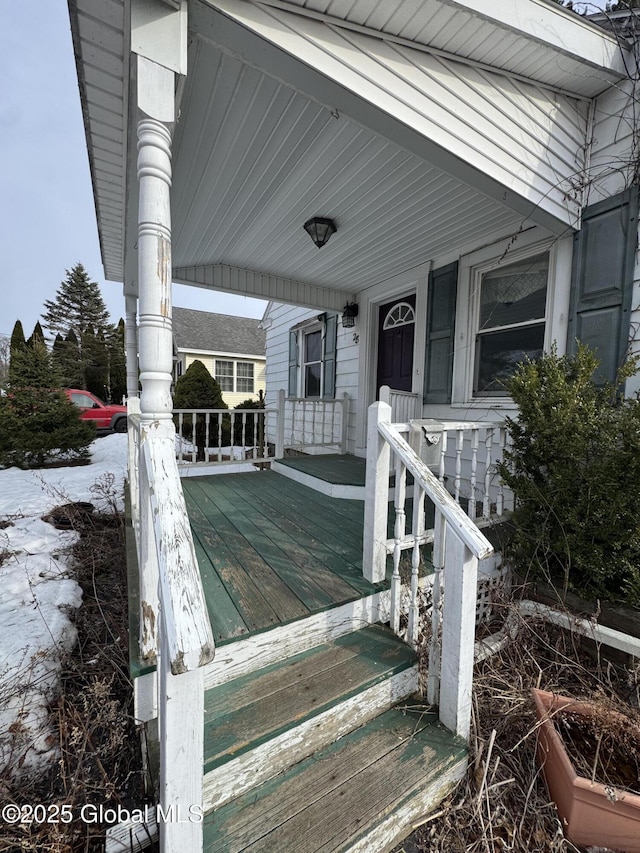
column 312, row 363
column 511, row 309
column 224, row 375
column 235, row 376
column 400, row 315
column 312, row 358
column 244, row 378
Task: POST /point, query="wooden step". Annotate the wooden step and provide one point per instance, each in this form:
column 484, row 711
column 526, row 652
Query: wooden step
column 361, row 794
column 260, row 724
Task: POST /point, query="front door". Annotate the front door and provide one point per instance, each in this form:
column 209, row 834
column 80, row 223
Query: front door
column 396, row 327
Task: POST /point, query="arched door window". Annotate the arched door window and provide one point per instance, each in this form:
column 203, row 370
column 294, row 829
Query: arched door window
column 401, row 314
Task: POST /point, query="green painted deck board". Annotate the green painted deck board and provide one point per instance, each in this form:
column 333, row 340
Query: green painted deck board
column 244, row 713
column 295, row 515
column 323, row 801
column 335, row 521
column 272, row 550
column 341, row 469
column 268, row 599
column 315, row 584
column 225, row 619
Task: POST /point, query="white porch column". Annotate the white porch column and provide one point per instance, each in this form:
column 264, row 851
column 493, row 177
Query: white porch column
column 156, row 105
column 156, row 114
column 131, row 344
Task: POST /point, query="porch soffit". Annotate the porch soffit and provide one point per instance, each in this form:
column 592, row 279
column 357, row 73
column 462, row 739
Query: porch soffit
column 254, row 159
column 512, row 142
column 454, row 209
column 535, row 39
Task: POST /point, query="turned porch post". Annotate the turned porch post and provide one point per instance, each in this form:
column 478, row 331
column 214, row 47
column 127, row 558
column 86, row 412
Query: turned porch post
column 131, row 344
column 154, row 239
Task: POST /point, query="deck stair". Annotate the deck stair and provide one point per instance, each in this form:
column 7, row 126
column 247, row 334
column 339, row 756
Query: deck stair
column 323, row 752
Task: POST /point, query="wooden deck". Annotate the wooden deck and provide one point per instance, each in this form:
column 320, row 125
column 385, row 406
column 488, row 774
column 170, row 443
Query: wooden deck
column 340, row 469
column 272, row 550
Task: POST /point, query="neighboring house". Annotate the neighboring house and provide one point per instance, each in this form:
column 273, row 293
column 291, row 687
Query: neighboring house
column 475, row 167
column 231, row 348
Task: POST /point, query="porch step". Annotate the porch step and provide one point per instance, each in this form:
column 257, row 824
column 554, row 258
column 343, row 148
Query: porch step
column 261, row 723
column 361, row 794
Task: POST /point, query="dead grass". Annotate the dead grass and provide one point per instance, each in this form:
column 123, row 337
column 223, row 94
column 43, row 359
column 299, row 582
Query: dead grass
column 503, row 804
column 99, row 746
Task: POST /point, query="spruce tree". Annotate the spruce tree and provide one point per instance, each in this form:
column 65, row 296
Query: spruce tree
column 38, row 424
column 37, row 336
column 78, row 307
column 117, row 365
column 17, row 343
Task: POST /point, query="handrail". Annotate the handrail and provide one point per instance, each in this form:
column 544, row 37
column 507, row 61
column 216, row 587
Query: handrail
column 185, row 617
column 468, row 532
column 458, row 547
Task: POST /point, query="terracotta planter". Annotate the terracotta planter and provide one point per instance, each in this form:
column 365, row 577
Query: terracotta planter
column 592, row 814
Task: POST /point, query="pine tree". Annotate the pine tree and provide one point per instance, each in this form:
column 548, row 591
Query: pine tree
column 96, row 360
column 117, row 364
column 78, row 307
column 17, row 343
column 38, row 424
column 36, row 336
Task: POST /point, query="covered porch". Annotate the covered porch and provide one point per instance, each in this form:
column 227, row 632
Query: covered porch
column 216, row 129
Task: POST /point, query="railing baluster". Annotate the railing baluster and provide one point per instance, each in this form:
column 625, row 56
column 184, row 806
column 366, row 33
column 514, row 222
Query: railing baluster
column 486, row 501
column 456, row 481
column 414, row 610
column 474, row 472
column 433, row 678
column 502, row 432
column 399, row 531
column 194, row 437
column 219, row 431
column 443, row 454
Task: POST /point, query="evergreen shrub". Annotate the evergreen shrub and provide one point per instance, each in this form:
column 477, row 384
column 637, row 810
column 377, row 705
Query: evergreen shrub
column 574, row 467
column 197, row 389
column 38, row 424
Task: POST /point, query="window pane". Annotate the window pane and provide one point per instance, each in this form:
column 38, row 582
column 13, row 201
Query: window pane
column 514, row 293
column 312, row 380
column 499, row 353
column 244, row 377
column 313, row 346
column 224, row 375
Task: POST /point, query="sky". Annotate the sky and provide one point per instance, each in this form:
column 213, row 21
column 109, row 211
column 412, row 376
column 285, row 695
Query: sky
column 47, row 217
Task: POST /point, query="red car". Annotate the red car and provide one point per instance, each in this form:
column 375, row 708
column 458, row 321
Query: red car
column 106, row 416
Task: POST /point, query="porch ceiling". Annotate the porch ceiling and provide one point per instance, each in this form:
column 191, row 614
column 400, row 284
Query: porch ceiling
column 257, row 150
column 254, row 160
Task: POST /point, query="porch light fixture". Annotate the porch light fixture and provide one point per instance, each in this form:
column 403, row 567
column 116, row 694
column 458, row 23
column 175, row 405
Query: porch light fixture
column 320, row 230
column 349, row 314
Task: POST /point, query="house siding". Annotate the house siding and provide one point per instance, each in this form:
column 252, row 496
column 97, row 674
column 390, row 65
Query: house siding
column 282, row 318
column 232, row 399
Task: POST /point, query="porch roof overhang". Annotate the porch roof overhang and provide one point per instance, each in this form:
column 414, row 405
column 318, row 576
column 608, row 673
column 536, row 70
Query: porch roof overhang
column 393, row 127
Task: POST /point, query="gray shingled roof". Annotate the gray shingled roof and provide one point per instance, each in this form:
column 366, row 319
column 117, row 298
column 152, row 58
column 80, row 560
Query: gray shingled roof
column 201, row 330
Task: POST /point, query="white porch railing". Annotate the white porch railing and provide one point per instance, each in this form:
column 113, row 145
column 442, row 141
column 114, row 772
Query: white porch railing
column 223, row 435
column 314, row 423
column 175, row 632
column 458, row 544
column 405, row 405
column 463, row 455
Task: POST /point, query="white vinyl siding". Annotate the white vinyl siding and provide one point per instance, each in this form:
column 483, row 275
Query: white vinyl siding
column 283, row 318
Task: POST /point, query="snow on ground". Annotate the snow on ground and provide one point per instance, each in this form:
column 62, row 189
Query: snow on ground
column 37, row 591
